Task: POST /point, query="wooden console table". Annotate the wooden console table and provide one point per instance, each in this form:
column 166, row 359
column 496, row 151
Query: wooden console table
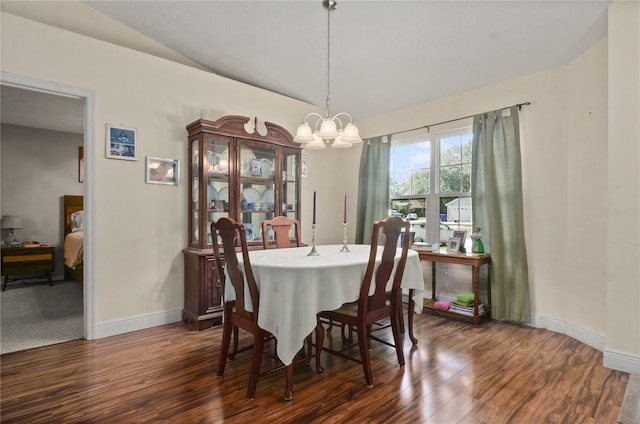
column 473, row 259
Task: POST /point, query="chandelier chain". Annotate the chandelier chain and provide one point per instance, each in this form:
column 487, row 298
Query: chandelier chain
column 329, row 8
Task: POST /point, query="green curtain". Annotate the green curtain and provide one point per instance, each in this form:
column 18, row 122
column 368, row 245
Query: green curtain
column 373, row 187
column 498, row 210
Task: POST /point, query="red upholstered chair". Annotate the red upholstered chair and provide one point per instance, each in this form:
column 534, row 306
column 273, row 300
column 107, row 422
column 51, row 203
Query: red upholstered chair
column 281, row 226
column 383, row 304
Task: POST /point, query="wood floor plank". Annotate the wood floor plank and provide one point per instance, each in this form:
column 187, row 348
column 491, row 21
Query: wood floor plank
column 494, row 373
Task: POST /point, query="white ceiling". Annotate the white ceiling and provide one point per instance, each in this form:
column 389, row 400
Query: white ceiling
column 385, row 55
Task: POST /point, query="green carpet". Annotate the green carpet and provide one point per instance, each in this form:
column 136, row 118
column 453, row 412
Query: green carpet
column 34, row 314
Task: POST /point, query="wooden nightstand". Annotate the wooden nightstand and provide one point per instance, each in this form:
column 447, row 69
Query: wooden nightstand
column 27, row 260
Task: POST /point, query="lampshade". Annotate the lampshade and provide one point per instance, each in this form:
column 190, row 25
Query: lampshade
column 304, row 134
column 316, row 144
column 11, row 222
column 339, row 142
column 328, row 129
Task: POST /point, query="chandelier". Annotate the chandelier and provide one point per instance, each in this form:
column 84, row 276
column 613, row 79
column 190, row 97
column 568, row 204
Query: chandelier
column 337, row 131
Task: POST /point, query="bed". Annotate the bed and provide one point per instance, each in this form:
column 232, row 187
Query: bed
column 73, row 216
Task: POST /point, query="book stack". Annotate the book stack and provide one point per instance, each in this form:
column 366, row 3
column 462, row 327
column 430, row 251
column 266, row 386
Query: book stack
column 464, row 305
column 425, row 247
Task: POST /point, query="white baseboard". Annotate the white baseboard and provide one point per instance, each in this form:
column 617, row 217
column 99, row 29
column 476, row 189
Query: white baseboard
column 140, row 322
column 620, row 361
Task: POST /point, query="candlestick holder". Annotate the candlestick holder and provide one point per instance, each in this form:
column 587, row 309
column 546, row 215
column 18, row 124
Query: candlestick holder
column 313, row 252
column 345, row 248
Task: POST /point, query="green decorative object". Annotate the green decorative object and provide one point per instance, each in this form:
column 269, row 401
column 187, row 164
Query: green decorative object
column 477, row 246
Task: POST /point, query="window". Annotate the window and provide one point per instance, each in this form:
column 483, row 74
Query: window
column 430, row 184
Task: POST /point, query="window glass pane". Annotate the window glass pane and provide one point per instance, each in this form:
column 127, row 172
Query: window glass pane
column 400, row 183
column 401, row 157
column 455, row 215
column 420, row 181
column 421, row 155
column 450, row 151
column 467, row 142
column 450, row 179
column 465, row 183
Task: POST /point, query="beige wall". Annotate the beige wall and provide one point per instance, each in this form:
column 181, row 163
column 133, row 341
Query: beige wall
column 623, row 210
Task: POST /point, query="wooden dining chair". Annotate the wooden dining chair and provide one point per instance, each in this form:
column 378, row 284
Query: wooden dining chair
column 281, row 226
column 236, row 314
column 382, row 304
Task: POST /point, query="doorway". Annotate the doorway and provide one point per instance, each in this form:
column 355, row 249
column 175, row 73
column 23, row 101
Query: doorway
column 55, row 91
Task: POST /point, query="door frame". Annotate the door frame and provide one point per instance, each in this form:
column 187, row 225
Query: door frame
column 30, row 83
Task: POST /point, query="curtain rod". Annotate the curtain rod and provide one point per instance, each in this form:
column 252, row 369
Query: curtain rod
column 519, row 105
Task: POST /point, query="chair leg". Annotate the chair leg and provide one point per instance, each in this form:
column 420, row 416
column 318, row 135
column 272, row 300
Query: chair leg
column 400, row 310
column 363, row 342
column 224, row 349
column 288, row 390
column 397, row 338
column 309, row 340
column 235, row 343
column 256, row 361
column 319, row 344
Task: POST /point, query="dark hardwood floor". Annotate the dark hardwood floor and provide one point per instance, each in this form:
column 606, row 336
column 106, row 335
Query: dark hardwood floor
column 496, row 373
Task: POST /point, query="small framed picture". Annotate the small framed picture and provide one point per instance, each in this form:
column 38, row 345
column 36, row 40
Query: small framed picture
column 163, row 171
column 121, row 142
column 453, row 245
column 462, row 235
column 248, row 231
column 256, row 168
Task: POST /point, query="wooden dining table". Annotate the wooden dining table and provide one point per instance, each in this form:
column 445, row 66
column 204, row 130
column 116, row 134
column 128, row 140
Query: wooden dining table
column 294, row 287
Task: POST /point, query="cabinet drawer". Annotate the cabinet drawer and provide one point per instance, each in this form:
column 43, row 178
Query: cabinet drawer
column 27, row 260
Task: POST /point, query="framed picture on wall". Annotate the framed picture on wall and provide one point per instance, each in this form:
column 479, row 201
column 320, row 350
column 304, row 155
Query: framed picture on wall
column 121, row 142
column 80, row 164
column 163, row 171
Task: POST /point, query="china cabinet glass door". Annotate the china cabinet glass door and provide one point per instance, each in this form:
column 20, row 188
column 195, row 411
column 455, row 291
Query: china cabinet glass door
column 256, row 198
column 290, row 172
column 218, row 183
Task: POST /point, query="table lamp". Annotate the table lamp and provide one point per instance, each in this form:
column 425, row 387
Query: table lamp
column 11, row 223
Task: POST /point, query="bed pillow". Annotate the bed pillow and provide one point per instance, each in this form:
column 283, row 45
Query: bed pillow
column 76, row 221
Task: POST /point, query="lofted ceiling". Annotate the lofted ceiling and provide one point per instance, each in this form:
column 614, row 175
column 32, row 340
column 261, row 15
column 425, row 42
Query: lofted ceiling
column 385, row 55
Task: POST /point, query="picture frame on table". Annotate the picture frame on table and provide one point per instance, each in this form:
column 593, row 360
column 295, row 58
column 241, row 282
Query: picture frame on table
column 462, row 235
column 121, row 142
column 453, row 245
column 163, row 171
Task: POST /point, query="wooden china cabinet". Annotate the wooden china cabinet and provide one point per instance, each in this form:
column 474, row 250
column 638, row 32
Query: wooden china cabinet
column 246, row 176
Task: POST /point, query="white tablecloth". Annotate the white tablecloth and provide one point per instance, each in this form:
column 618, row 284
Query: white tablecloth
column 294, row 287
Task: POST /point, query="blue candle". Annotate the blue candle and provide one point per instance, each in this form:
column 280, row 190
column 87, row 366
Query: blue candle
column 345, row 209
column 314, row 208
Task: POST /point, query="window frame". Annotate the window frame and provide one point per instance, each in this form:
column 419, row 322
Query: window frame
column 434, row 196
